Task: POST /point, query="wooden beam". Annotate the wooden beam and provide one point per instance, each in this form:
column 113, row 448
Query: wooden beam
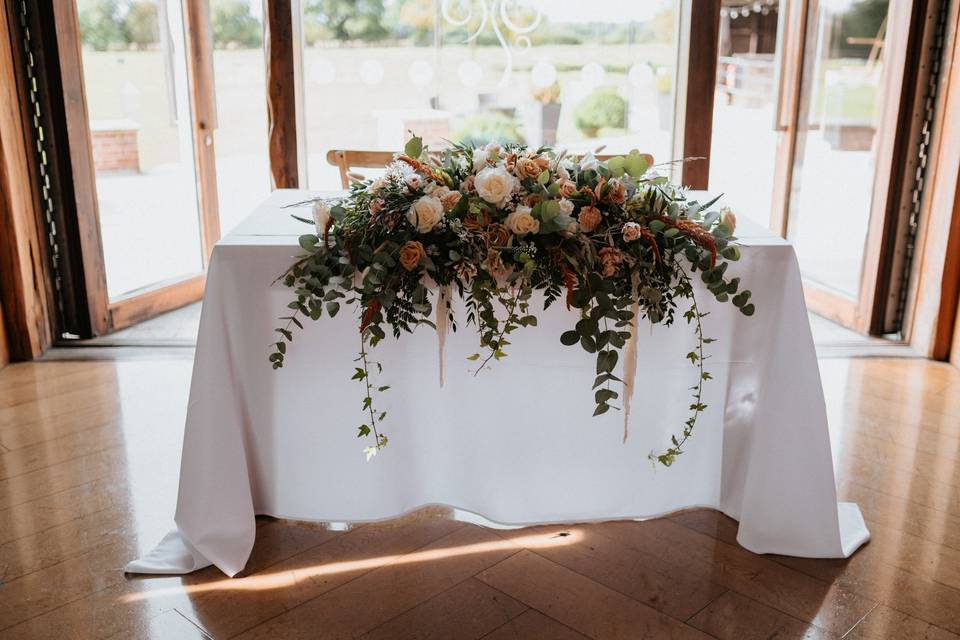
column 75, row 155
column 700, row 88
column 139, row 306
column 199, row 36
column 23, row 294
column 278, row 47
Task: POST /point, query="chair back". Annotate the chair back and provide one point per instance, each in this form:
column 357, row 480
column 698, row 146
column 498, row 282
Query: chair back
column 347, row 159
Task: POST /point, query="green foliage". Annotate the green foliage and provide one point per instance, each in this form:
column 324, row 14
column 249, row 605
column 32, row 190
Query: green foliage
column 101, row 24
column 641, row 260
column 344, row 20
column 604, row 108
column 492, row 126
column 141, row 26
column 233, row 24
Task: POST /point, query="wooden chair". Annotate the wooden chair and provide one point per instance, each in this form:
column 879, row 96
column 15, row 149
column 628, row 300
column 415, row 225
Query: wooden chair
column 348, row 159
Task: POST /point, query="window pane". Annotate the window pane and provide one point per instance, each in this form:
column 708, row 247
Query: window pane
column 243, row 160
column 835, row 159
column 744, row 131
column 134, row 71
column 539, row 71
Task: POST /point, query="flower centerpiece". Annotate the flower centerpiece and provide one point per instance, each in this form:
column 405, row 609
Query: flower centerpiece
column 614, row 241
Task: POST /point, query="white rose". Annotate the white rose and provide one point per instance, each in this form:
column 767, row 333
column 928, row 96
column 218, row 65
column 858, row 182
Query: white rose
column 566, row 206
column 377, row 185
column 589, row 162
column 480, row 157
column 321, row 214
column 425, row 213
column 496, row 185
column 521, row 222
column 493, row 146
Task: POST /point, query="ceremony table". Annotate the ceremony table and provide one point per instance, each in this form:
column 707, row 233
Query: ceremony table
column 516, row 444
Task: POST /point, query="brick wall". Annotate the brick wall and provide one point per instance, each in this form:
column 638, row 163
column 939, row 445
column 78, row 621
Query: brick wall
column 115, row 148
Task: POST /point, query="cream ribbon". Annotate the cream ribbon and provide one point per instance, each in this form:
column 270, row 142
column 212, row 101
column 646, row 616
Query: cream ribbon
column 441, row 322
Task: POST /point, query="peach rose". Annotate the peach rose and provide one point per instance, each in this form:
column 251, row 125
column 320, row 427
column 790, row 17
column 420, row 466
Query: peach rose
column 497, row 235
column 617, row 191
column 567, row 188
column 589, row 219
column 527, row 168
column 610, row 258
column 728, row 218
column 450, row 200
column 521, row 222
column 410, row 254
column 631, row 231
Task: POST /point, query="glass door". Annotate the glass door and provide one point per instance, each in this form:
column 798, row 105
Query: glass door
column 147, row 116
column 807, row 101
column 835, row 159
column 141, row 133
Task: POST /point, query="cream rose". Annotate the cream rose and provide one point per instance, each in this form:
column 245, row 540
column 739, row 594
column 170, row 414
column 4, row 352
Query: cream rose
column 521, row 222
column 321, row 215
column 566, row 206
column 495, row 185
column 425, row 213
column 480, row 157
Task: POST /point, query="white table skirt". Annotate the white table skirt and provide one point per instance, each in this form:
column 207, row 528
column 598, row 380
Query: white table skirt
column 515, row 445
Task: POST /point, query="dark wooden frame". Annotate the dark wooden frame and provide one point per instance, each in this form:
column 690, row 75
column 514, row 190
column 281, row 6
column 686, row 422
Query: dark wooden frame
column 108, row 315
column 279, row 49
column 25, row 301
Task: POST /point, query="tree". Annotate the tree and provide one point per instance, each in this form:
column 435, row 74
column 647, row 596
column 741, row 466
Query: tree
column 101, row 25
column 140, row 24
column 345, row 19
column 233, row 24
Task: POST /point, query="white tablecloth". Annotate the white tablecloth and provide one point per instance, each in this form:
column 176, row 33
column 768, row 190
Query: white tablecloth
column 515, row 445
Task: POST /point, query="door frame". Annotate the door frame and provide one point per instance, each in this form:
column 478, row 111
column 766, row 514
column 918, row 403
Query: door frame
column 107, row 315
column 895, row 139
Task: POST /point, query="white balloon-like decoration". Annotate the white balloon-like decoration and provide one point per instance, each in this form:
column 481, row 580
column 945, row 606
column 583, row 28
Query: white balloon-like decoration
column 371, row 72
column 543, row 74
column 592, row 74
column 470, row 72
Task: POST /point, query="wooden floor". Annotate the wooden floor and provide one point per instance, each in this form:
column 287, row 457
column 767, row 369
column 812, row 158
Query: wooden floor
column 89, row 457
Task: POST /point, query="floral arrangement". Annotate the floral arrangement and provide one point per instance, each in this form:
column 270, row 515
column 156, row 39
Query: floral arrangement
column 612, row 240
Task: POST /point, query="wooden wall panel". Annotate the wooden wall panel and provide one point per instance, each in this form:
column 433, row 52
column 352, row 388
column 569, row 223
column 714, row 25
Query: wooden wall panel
column 23, row 293
column 936, row 273
column 278, row 47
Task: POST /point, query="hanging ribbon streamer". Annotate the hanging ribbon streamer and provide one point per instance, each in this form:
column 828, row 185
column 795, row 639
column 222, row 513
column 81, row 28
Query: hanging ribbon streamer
column 441, row 322
column 630, row 360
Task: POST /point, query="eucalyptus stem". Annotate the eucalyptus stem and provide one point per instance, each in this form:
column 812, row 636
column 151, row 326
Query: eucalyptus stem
column 506, row 323
column 366, row 380
column 667, row 457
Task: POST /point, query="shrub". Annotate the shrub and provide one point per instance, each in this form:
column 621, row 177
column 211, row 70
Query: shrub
column 602, row 109
column 491, row 126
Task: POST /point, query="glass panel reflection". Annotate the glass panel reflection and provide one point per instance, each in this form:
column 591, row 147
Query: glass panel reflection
column 135, row 75
column 835, row 160
column 534, row 71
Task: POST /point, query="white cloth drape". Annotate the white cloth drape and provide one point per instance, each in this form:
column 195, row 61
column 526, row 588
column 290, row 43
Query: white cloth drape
column 517, row 444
